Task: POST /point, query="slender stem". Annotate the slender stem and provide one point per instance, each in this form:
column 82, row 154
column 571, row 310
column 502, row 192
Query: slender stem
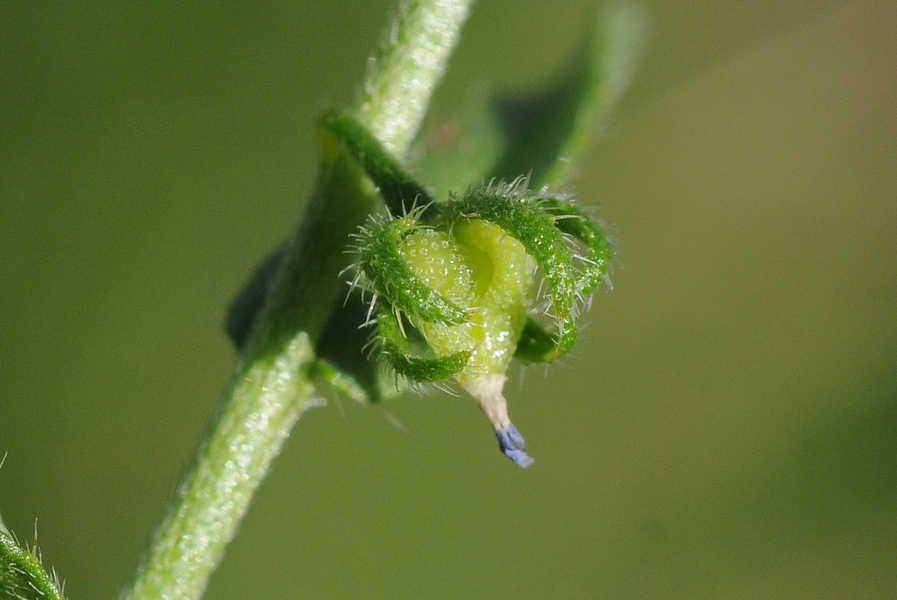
column 412, row 58
column 271, row 387
column 264, row 403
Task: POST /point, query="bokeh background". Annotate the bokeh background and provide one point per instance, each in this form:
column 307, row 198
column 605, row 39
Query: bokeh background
column 727, row 429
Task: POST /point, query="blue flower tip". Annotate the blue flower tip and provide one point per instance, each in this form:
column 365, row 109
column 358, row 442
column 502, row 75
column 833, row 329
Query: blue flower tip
column 511, row 443
column 520, row 457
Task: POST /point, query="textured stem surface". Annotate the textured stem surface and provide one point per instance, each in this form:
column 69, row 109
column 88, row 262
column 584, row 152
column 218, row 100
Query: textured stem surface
column 410, row 62
column 272, row 387
column 263, row 405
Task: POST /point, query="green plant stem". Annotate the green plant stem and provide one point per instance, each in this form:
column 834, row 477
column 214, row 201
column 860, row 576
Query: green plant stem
column 412, row 57
column 271, row 386
column 263, row 404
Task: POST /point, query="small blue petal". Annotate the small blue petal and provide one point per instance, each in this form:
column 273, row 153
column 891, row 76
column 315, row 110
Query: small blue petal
column 511, row 443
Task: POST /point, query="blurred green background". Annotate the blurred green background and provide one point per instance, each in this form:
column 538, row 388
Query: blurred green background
column 727, row 429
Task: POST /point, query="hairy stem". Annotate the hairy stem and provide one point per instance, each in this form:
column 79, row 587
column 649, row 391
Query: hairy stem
column 412, row 58
column 271, row 386
column 260, row 408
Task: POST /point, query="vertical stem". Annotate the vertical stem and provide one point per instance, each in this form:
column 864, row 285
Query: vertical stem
column 411, row 60
column 262, row 406
column 271, row 387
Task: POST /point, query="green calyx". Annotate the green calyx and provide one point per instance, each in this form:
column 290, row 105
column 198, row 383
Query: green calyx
column 462, row 271
column 478, row 255
column 500, row 278
column 462, row 280
column 449, row 280
column 385, row 265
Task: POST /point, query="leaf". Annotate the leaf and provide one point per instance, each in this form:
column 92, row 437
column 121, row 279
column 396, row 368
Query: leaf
column 343, row 361
column 244, row 309
column 399, row 189
column 452, row 154
column 22, row 575
column 549, row 132
column 545, row 133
